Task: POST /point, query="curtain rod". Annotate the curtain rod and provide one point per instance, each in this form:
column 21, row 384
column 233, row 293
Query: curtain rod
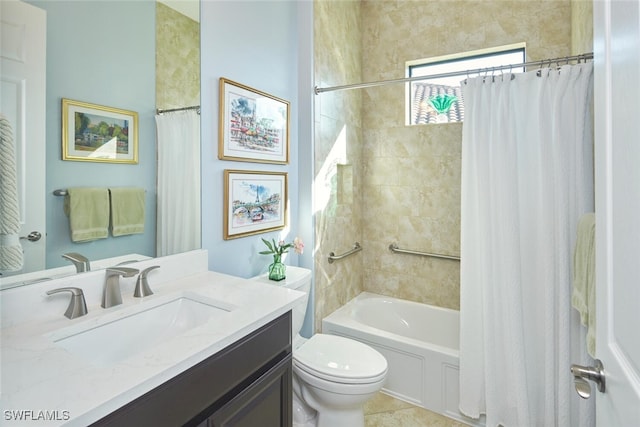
column 171, row 110
column 582, row 57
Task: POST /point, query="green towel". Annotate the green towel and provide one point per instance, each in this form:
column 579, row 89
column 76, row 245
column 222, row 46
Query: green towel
column 583, row 297
column 88, row 212
column 127, row 211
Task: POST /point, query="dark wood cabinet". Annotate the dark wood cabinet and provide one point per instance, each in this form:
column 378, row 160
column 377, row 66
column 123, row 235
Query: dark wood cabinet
column 266, row 402
column 246, row 384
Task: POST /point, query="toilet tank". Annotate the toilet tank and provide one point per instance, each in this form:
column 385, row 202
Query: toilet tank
column 299, row 279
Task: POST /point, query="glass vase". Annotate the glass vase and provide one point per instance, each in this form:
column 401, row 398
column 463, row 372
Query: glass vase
column 277, row 270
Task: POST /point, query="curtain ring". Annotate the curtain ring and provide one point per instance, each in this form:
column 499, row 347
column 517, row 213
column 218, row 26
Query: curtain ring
column 539, row 72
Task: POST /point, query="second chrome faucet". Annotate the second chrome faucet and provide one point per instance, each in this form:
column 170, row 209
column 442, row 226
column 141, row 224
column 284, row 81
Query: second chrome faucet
column 80, row 261
column 111, row 295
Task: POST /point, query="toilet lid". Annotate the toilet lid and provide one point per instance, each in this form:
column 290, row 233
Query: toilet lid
column 340, row 359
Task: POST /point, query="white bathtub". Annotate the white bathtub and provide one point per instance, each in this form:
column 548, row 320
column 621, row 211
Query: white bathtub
column 420, row 343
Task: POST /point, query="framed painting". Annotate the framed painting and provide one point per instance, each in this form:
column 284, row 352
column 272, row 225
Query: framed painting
column 95, row 133
column 254, row 202
column 253, row 125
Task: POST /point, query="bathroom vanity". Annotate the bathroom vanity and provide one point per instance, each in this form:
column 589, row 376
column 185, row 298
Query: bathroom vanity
column 246, row 384
column 206, row 349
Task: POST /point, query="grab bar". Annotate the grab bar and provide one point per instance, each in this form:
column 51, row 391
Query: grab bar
column 394, row 248
column 334, row 257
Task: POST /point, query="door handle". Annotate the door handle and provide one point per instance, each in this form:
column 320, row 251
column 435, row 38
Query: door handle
column 593, row 373
column 34, row 236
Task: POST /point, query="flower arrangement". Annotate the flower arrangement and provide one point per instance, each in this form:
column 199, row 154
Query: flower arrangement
column 282, row 248
column 277, row 270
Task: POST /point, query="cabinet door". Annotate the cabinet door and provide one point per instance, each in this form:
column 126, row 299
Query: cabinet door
column 265, row 403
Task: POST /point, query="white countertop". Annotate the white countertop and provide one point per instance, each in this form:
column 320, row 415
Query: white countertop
column 41, row 380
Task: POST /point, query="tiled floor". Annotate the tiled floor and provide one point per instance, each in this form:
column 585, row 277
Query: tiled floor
column 385, row 411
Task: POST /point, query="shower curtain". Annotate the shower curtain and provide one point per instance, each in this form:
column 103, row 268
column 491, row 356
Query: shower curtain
column 527, row 172
column 178, row 221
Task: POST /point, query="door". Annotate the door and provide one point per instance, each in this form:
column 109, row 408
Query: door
column 617, row 174
column 23, row 89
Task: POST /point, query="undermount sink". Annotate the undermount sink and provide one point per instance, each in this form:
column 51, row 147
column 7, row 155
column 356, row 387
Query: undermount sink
column 111, row 341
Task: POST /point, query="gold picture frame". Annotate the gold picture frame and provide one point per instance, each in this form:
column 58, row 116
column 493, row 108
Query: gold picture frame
column 254, row 202
column 253, row 125
column 95, row 133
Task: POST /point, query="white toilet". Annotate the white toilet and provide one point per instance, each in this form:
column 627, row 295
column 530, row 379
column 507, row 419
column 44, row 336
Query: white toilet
column 332, row 376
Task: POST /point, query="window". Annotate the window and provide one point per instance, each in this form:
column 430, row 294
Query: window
column 439, row 100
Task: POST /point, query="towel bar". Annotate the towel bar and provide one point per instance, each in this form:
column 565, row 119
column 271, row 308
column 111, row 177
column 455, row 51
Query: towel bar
column 61, row 192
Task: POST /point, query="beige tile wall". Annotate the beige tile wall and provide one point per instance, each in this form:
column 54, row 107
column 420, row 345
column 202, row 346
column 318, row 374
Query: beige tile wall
column 411, row 181
column 338, row 154
column 581, row 26
column 177, row 59
column 404, row 181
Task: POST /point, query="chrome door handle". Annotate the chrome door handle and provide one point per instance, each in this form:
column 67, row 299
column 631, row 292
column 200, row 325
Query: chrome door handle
column 593, row 373
column 34, row 236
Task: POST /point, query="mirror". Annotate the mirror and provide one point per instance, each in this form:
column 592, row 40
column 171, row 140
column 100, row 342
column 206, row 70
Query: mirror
column 114, row 65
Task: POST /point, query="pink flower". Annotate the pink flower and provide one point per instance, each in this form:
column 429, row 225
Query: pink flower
column 281, row 247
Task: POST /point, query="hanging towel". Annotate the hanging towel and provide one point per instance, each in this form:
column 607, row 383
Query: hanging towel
column 127, row 211
column 10, row 249
column 88, row 212
column 583, row 297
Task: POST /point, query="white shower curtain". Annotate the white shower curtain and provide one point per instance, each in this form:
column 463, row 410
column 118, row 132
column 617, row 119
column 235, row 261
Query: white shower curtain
column 178, row 220
column 527, row 171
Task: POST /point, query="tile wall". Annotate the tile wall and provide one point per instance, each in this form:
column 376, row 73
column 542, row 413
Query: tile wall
column 385, row 182
column 177, row 59
column 338, row 203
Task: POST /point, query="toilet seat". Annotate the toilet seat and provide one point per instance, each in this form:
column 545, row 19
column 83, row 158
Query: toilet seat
column 340, row 360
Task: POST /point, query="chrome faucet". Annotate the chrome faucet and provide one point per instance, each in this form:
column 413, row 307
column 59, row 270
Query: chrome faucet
column 80, row 261
column 77, row 306
column 112, row 295
column 142, row 285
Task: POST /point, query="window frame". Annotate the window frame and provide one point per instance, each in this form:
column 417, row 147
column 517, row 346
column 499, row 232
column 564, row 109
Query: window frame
column 456, row 58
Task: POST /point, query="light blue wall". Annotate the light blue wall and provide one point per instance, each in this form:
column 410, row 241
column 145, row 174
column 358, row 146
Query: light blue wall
column 253, row 43
column 102, row 52
column 267, row 45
